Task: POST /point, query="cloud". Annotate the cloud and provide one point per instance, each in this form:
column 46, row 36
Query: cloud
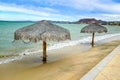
column 105, row 17
column 106, row 10
column 89, row 5
column 28, row 10
column 15, row 17
column 111, row 7
column 23, row 17
column 30, row 13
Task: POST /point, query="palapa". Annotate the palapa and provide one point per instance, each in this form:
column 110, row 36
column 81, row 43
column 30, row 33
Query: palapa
column 42, row 30
column 93, row 28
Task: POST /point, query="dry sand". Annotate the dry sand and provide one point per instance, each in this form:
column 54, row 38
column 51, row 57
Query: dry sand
column 112, row 70
column 71, row 67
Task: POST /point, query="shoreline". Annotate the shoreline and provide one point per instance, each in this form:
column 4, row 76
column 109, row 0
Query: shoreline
column 71, row 67
column 95, row 71
column 83, row 42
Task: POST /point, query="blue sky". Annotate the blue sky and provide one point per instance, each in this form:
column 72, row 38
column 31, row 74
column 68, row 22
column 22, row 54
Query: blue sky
column 61, row 10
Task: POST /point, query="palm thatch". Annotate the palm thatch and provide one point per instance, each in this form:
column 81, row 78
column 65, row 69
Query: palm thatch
column 93, row 28
column 42, row 30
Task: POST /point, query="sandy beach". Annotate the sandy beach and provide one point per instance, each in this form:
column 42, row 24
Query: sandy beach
column 59, row 40
column 71, row 64
column 111, row 70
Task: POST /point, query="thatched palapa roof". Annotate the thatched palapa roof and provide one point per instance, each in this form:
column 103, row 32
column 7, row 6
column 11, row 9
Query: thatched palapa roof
column 42, row 30
column 93, row 28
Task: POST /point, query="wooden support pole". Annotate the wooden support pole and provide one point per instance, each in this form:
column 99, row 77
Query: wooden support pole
column 93, row 34
column 44, row 51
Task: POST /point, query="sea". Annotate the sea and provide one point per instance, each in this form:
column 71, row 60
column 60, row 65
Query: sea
column 17, row 49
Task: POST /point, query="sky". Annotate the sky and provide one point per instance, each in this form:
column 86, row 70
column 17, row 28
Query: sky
column 59, row 10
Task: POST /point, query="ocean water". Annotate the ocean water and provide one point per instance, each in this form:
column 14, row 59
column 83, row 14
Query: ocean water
column 8, row 47
column 7, row 35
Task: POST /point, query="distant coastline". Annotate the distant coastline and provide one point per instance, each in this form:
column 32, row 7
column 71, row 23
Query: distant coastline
column 81, row 21
column 93, row 20
column 90, row 21
column 16, row 21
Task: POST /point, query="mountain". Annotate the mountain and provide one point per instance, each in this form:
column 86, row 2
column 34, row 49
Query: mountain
column 90, row 21
column 81, row 21
column 64, row 22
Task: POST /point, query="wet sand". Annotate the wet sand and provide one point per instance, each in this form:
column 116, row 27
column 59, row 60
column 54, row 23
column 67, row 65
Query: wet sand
column 70, row 63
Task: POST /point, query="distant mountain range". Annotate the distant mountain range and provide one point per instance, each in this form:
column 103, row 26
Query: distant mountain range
column 65, row 22
column 81, row 21
column 93, row 20
column 90, row 21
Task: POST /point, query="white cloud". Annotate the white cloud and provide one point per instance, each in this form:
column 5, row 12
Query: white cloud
column 111, row 17
column 105, row 17
column 111, row 7
column 22, row 17
column 104, row 5
column 38, row 13
column 22, row 10
column 12, row 17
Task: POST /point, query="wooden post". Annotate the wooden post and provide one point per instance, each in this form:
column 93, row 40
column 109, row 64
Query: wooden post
column 44, row 51
column 93, row 39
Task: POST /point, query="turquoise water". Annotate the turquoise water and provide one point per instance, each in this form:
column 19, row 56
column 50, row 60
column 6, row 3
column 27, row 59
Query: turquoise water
column 7, row 35
column 75, row 30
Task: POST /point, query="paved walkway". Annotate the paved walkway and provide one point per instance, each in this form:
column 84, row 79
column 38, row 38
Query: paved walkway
column 107, row 69
column 112, row 70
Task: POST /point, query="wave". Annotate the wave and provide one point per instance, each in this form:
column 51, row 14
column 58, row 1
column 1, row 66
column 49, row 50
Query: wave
column 6, row 60
column 103, row 39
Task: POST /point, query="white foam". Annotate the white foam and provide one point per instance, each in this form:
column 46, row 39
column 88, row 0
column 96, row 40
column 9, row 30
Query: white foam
column 104, row 38
column 85, row 40
column 75, row 42
column 6, row 60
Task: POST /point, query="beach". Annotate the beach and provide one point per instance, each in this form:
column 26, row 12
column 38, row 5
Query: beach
column 59, row 40
column 66, row 60
column 68, row 67
column 7, row 29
